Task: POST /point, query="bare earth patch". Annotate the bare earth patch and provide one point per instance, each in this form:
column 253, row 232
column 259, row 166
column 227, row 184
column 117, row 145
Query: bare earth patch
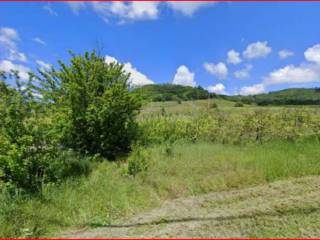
column 288, row 208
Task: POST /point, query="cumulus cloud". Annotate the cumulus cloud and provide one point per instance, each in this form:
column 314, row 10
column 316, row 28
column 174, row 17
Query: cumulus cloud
column 243, row 73
column 252, row 90
column 8, row 45
column 131, row 11
column 283, row 54
column 188, row 8
column 39, row 40
column 218, row 89
column 8, row 37
column 136, row 78
column 126, row 10
column 43, row 65
column 7, row 66
column 294, row 74
column 218, row 70
column 313, row 54
column 184, row 77
column 233, row 57
column 257, row 50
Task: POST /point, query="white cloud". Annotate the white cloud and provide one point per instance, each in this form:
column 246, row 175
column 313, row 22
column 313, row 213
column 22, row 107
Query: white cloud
column 7, row 65
column 252, row 90
column 218, row 89
column 283, row 54
column 8, row 37
column 8, row 45
column 257, row 50
column 187, row 8
column 140, row 10
column 136, row 78
column 218, row 70
column 43, row 65
column 243, row 73
column 126, row 10
column 76, row 7
column 50, row 10
column 313, row 54
column 233, row 57
column 39, row 40
column 292, row 74
column 16, row 56
column 184, row 77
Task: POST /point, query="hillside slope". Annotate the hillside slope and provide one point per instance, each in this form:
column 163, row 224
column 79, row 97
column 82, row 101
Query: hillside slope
column 171, row 92
column 292, row 96
column 288, row 208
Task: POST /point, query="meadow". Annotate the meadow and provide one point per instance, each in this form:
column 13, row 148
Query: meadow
column 79, row 150
column 162, row 168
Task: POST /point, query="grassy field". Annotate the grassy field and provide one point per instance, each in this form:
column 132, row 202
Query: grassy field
column 181, row 169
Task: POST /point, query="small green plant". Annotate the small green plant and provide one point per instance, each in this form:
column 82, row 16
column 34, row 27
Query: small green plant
column 238, row 104
column 138, row 162
column 213, row 105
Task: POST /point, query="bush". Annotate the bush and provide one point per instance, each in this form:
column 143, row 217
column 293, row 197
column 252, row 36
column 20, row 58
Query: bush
column 28, row 148
column 93, row 102
column 238, row 104
column 138, row 162
column 213, row 105
column 30, row 151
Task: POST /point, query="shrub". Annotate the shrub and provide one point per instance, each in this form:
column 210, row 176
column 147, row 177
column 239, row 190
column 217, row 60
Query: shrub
column 138, row 162
column 94, row 102
column 238, row 104
column 30, row 150
column 213, row 105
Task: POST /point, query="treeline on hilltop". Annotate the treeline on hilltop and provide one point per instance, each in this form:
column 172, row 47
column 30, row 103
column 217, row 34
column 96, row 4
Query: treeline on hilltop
column 172, row 92
column 293, row 96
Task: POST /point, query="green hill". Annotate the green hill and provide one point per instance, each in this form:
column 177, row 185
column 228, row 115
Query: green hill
column 171, row 92
column 292, row 96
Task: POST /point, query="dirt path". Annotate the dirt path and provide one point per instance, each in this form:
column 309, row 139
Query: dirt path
column 282, row 209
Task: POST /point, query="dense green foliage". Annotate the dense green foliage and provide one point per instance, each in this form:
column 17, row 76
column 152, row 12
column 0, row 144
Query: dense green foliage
column 93, row 103
column 171, row 92
column 51, row 124
column 28, row 151
column 293, row 96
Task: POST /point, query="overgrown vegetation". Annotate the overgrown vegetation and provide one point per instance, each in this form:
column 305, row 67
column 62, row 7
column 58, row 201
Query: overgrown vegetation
column 181, row 169
column 84, row 107
column 75, row 152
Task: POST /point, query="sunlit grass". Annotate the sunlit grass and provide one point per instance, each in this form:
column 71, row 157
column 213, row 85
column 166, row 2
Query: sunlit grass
column 179, row 170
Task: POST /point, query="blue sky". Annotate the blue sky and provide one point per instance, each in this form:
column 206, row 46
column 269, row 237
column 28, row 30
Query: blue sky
column 231, row 48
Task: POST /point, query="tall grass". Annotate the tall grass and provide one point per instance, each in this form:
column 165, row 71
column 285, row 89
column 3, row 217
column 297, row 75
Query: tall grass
column 181, row 169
